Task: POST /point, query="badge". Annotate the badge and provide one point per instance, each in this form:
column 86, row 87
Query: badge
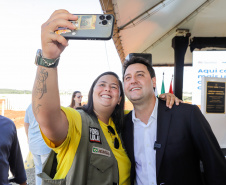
column 101, row 151
column 94, row 135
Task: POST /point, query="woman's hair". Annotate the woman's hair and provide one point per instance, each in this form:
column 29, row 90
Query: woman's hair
column 72, row 105
column 118, row 113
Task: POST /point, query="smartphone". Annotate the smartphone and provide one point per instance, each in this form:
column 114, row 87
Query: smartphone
column 90, row 27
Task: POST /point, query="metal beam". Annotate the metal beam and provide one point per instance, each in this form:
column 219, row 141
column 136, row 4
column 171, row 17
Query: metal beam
column 145, row 12
column 173, row 30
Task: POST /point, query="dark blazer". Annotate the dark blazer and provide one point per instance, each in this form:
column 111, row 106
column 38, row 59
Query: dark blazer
column 186, row 139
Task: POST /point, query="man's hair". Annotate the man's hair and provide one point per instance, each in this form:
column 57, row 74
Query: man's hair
column 139, row 60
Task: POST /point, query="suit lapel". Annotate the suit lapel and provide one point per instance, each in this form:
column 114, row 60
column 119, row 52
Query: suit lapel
column 163, row 123
column 130, row 140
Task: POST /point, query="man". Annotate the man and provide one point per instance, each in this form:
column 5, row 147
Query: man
column 167, row 145
column 10, row 154
column 37, row 146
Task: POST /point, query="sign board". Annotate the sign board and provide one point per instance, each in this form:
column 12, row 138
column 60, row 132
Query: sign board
column 213, row 103
column 215, row 97
column 206, row 64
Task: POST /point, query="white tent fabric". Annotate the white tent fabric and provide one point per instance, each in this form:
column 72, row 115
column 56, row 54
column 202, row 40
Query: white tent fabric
column 148, row 26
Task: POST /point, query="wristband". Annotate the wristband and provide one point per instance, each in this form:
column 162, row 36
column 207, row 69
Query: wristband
column 50, row 63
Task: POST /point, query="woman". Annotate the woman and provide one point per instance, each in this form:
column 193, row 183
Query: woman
column 76, row 100
column 100, row 157
column 87, row 144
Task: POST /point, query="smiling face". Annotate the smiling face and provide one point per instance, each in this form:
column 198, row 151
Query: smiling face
column 138, row 84
column 106, row 93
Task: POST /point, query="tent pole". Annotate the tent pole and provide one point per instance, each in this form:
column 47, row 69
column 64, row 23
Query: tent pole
column 180, row 44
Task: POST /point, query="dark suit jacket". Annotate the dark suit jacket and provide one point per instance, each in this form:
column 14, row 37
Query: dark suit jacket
column 186, row 139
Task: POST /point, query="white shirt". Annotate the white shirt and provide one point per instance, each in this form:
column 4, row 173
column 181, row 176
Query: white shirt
column 145, row 155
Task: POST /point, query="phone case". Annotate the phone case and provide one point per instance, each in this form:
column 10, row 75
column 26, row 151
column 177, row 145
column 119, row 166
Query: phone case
column 90, row 27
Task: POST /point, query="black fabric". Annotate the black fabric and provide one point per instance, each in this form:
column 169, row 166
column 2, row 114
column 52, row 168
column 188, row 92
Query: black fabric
column 224, row 151
column 10, row 154
column 54, row 166
column 127, row 137
column 204, row 42
column 186, row 139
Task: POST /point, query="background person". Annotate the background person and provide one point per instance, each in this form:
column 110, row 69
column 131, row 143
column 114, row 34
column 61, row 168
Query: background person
column 10, row 154
column 165, row 146
column 37, row 146
column 76, row 100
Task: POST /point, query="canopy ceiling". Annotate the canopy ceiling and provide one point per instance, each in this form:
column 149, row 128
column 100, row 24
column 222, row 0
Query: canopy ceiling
column 148, row 26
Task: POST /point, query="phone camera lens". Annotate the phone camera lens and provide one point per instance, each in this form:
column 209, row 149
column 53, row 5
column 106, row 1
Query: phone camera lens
column 108, row 17
column 104, row 22
column 102, row 17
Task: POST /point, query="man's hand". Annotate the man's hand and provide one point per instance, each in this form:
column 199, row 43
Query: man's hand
column 170, row 99
column 53, row 44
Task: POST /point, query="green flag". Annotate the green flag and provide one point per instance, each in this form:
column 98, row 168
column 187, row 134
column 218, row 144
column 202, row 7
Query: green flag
column 163, row 86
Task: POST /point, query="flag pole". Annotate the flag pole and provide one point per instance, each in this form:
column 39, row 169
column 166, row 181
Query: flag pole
column 163, row 86
column 171, row 86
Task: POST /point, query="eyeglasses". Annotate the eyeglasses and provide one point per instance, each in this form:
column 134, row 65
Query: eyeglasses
column 112, row 131
column 79, row 96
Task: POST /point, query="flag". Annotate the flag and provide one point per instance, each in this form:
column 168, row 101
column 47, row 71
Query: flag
column 171, row 86
column 163, row 86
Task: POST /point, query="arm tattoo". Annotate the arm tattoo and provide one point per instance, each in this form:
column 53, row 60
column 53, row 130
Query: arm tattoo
column 40, row 87
column 36, row 110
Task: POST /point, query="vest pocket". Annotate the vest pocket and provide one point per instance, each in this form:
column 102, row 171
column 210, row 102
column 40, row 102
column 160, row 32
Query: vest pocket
column 100, row 170
column 54, row 182
column 46, row 180
column 102, row 163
